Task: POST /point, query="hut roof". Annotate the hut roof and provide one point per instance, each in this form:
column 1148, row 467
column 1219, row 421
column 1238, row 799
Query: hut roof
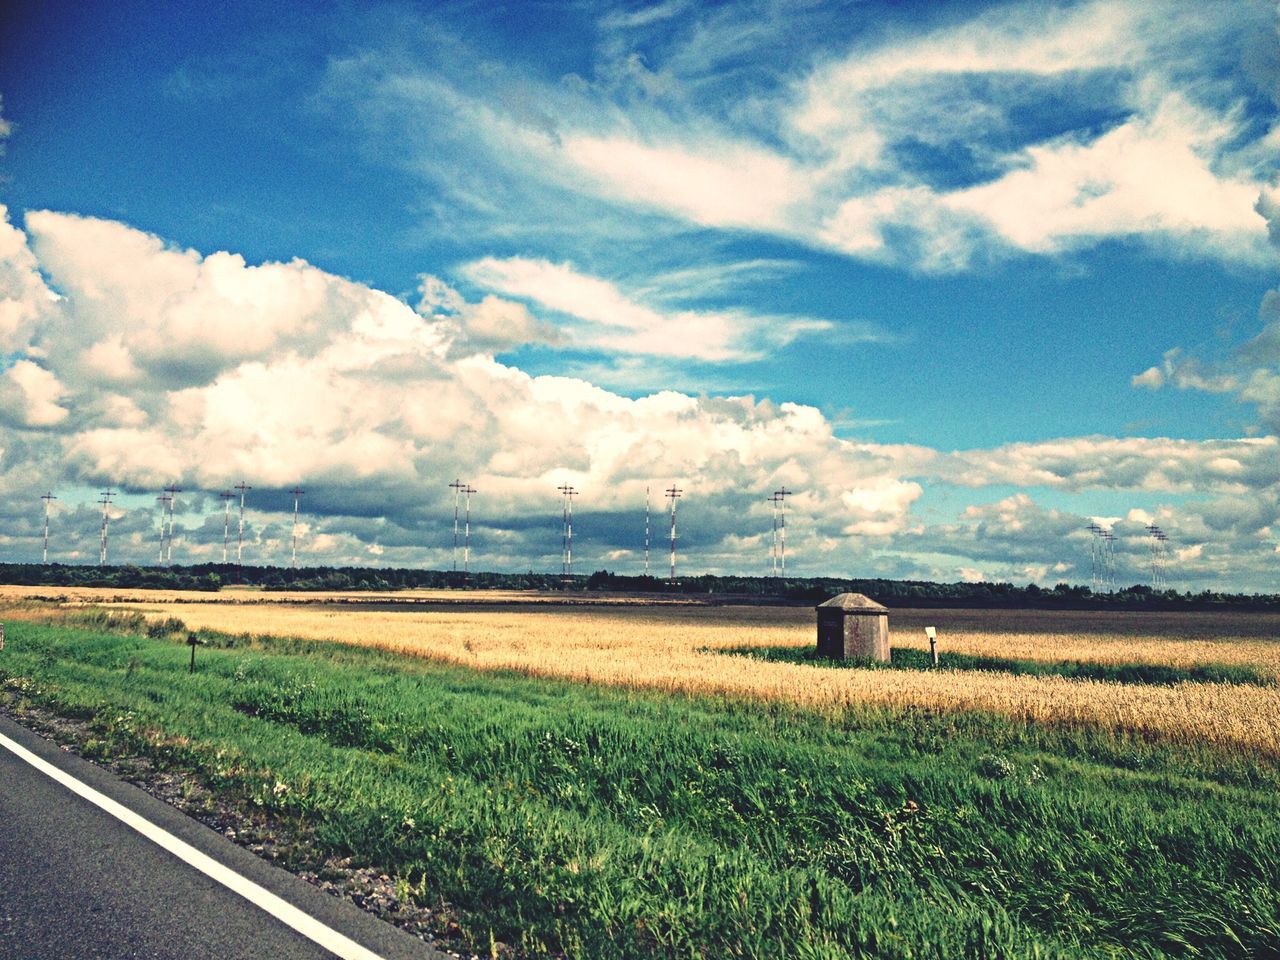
column 854, row 602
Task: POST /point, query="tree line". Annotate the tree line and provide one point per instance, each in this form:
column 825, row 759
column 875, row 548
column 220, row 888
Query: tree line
column 714, row 588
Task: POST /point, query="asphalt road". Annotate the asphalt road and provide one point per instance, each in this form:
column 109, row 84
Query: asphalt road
column 78, row 884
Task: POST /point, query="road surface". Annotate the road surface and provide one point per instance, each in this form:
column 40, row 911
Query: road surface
column 76, row 882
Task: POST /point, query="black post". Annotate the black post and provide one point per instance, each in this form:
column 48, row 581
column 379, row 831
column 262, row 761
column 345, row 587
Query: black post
column 192, row 641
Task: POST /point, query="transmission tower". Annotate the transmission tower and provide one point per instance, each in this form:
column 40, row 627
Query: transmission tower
column 779, row 499
column 646, row 530
column 1109, row 560
column 467, row 491
column 106, row 521
column 164, row 500
column 1095, row 558
column 173, row 495
column 1164, row 558
column 297, row 497
column 227, row 496
column 46, row 498
column 566, row 553
column 1158, row 555
column 457, row 487
column 673, row 494
column 242, row 487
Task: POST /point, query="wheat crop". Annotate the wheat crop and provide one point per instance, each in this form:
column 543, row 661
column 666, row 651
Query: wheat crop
column 676, row 650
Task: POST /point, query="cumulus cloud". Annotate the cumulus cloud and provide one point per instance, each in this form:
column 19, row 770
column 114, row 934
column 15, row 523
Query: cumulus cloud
column 29, row 396
column 493, row 324
column 373, row 406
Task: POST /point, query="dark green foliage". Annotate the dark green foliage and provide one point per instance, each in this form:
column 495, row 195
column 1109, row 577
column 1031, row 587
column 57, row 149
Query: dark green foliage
column 607, row 824
column 795, row 591
column 908, row 658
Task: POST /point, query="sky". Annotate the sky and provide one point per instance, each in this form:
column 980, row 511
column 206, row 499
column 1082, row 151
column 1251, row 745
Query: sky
column 965, row 277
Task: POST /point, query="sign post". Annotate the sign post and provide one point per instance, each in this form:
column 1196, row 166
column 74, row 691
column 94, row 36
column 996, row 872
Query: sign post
column 193, row 641
column 932, row 634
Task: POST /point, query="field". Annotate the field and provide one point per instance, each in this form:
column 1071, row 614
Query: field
column 631, row 781
column 678, row 648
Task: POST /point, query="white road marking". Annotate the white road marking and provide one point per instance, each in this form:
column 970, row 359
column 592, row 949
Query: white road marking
column 259, row 896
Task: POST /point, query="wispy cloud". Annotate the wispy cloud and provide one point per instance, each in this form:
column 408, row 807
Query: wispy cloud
column 1053, row 129
column 601, row 317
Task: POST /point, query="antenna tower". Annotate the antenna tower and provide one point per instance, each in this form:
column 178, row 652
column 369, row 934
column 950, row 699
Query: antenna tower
column 242, row 487
column 297, row 497
column 566, row 555
column 457, row 487
column 673, row 494
column 227, row 496
column 164, row 500
column 46, row 498
column 106, row 521
column 173, row 495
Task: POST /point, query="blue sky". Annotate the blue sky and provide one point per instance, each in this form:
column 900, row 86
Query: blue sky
column 967, row 276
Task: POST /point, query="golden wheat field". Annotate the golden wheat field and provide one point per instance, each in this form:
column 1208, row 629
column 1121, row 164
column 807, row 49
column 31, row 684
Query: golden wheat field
column 674, row 648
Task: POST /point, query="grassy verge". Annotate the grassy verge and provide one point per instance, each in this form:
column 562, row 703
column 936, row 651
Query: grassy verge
column 907, row 658
column 595, row 823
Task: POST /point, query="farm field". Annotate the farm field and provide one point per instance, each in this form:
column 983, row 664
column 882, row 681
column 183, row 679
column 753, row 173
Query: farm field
column 681, row 648
column 611, row 782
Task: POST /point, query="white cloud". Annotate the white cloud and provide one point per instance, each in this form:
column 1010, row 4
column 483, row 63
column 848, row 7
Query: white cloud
column 491, row 325
column 1063, row 127
column 1252, row 373
column 1115, row 463
column 602, row 317
column 1149, row 176
column 25, row 301
column 360, row 394
column 713, row 184
column 377, row 411
column 30, row 395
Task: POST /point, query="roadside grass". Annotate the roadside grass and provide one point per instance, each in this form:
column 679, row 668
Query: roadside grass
column 910, row 658
column 596, row 822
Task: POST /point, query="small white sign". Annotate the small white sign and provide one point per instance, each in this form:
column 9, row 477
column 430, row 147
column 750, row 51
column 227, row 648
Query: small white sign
column 931, row 632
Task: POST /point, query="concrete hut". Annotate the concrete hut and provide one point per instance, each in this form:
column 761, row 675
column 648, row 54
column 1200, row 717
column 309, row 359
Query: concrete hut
column 851, row 625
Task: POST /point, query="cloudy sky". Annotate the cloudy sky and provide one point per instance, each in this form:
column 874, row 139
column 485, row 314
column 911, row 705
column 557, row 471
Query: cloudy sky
column 966, row 277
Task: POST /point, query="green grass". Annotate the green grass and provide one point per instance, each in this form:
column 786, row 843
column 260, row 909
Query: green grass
column 908, row 658
column 602, row 824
